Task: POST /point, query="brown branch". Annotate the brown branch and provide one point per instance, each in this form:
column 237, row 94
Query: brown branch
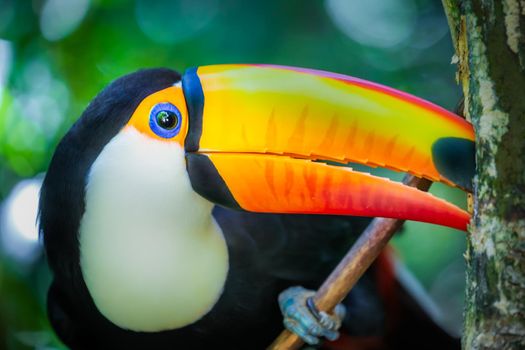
column 364, row 251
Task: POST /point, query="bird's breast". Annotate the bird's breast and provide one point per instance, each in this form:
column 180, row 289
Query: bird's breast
column 152, row 256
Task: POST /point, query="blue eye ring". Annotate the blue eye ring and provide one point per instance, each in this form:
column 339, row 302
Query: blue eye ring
column 165, row 120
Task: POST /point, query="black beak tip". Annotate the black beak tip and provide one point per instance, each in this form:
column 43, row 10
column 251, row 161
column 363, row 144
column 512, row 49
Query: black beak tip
column 454, row 158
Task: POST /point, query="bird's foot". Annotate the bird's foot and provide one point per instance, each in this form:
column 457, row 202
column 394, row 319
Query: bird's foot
column 302, row 317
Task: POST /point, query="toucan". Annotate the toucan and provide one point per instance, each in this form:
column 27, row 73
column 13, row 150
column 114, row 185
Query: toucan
column 195, row 211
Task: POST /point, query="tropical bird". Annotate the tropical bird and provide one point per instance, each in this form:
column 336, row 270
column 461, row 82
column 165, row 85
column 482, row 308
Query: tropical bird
column 177, row 209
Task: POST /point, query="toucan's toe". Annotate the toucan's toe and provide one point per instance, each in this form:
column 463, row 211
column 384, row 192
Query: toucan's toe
column 302, row 317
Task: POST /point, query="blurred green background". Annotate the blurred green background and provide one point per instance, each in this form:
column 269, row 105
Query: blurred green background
column 55, row 55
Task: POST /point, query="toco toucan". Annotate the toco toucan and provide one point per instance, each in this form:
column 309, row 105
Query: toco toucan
column 177, row 209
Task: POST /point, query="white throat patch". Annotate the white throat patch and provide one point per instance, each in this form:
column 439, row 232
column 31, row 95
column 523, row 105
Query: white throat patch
column 152, row 256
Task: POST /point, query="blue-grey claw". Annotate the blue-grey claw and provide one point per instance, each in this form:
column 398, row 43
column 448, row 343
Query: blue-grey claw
column 304, row 320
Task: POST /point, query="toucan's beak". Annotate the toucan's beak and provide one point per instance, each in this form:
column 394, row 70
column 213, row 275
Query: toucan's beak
column 258, row 135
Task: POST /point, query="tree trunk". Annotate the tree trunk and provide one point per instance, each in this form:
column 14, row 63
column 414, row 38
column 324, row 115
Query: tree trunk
column 489, row 38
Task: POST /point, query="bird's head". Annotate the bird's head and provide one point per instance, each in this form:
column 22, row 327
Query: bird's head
column 258, row 137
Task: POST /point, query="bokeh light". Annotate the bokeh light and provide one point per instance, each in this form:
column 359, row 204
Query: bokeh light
column 18, row 228
column 378, row 23
column 32, row 116
column 169, row 22
column 61, row 17
column 5, row 65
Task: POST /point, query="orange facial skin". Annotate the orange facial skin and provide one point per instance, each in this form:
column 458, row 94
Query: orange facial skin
column 140, row 118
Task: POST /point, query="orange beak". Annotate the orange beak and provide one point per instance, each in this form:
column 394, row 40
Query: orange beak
column 259, row 138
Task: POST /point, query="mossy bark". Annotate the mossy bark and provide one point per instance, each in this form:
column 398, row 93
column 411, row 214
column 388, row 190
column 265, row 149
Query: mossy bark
column 489, row 38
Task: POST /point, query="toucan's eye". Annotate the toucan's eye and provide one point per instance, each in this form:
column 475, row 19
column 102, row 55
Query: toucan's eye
column 165, row 120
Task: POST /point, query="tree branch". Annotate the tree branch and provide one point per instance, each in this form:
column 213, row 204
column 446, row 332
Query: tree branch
column 362, row 254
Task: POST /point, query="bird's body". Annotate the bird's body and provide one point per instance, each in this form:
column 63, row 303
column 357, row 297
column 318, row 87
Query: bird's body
column 268, row 253
column 156, row 243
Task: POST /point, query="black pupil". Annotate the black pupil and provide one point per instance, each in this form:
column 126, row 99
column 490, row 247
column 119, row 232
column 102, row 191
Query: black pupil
column 167, row 120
